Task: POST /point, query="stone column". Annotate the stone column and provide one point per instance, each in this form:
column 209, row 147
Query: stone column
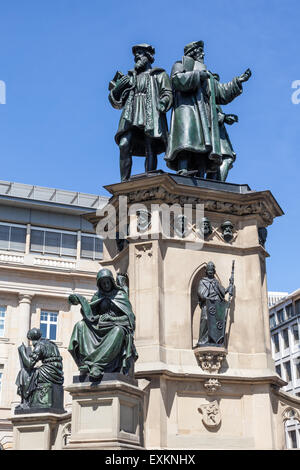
column 78, row 254
column 27, row 243
column 24, row 316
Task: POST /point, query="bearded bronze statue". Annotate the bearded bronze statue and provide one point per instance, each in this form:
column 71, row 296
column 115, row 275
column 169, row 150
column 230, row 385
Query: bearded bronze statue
column 145, row 95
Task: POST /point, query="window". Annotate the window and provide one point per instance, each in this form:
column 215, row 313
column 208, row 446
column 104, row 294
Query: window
column 12, row 237
column 278, row 369
column 2, row 320
column 297, row 367
column 272, row 321
column 280, row 316
column 48, row 324
column 297, row 307
column 53, row 243
column 289, row 311
column 292, row 439
column 91, row 247
column 276, row 342
column 295, row 333
column 285, row 336
column 288, row 372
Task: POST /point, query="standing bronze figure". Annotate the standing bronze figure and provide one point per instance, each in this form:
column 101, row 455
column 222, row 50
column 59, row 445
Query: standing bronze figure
column 214, row 307
column 145, row 94
column 198, row 139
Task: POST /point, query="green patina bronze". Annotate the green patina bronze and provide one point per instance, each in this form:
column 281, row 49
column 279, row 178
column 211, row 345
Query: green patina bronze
column 36, row 384
column 145, row 95
column 198, row 139
column 214, row 307
column 103, row 340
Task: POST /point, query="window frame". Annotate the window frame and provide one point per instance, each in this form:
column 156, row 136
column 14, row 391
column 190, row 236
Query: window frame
column 89, row 235
column 10, row 225
column 61, row 233
column 48, row 323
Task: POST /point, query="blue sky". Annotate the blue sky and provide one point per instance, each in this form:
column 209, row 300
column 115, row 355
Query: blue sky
column 57, row 127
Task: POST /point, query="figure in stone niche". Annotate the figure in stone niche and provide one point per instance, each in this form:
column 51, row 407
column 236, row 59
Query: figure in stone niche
column 197, row 140
column 214, row 307
column 103, row 340
column 205, row 227
column 227, row 231
column 40, row 387
column 145, row 94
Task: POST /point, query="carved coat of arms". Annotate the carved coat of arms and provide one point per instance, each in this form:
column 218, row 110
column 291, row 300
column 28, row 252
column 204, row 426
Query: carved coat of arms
column 211, row 414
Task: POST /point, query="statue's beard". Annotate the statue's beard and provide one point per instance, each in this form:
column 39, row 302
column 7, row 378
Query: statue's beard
column 141, row 64
column 199, row 57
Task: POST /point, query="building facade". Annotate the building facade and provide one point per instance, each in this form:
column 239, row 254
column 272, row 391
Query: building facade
column 285, row 329
column 48, row 250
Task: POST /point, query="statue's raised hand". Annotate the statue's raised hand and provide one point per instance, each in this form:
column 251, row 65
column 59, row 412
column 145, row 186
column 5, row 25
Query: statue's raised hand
column 104, row 317
column 245, row 76
column 231, row 119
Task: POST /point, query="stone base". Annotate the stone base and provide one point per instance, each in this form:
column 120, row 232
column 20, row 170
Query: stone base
column 50, row 402
column 39, row 431
column 106, row 414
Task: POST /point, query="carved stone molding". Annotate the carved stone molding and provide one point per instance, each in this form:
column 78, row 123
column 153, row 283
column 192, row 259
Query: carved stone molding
column 212, row 386
column 290, row 413
column 210, row 359
column 144, row 249
column 66, row 434
column 159, row 193
column 211, row 414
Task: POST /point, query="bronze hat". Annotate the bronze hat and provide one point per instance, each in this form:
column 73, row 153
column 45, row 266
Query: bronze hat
column 192, row 45
column 146, row 47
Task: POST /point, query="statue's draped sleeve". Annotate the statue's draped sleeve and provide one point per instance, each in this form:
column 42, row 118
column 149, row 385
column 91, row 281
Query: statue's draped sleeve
column 202, row 290
column 227, row 92
column 183, row 80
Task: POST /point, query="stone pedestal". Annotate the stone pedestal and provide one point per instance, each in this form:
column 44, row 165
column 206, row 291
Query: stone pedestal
column 197, row 399
column 107, row 414
column 40, row 431
column 47, row 398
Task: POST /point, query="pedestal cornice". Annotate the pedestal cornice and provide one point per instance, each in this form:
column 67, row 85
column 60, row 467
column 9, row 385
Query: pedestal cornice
column 224, row 198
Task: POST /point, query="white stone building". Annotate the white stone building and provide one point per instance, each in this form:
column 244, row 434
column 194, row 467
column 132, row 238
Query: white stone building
column 47, row 251
column 285, row 330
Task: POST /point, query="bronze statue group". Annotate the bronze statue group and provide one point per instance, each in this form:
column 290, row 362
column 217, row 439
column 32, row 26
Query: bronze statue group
column 198, row 143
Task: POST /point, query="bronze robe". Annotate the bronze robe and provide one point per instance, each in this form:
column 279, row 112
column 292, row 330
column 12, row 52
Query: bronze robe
column 140, row 114
column 194, row 123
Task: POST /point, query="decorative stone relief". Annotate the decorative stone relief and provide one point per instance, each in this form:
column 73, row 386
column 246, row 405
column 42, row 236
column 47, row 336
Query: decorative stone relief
column 143, row 250
column 212, row 385
column 227, row 231
column 66, row 433
column 210, row 361
column 161, row 194
column 290, row 413
column 211, row 414
column 143, row 220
